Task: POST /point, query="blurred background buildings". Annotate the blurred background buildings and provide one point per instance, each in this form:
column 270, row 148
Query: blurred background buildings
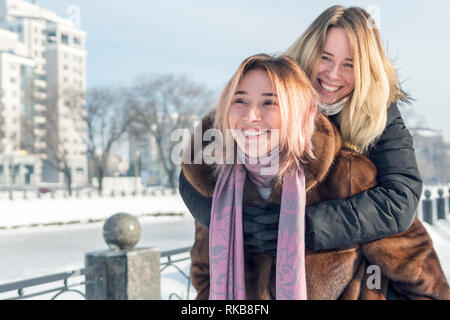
column 56, row 132
column 43, row 84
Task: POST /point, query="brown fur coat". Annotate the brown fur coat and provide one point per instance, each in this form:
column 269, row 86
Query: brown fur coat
column 407, row 259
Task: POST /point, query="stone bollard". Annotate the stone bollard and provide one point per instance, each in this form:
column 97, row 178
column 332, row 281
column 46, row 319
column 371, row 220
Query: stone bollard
column 130, row 273
column 448, row 200
column 427, row 208
column 440, row 205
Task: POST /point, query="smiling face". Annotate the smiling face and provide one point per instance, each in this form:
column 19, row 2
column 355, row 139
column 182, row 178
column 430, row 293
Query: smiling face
column 335, row 78
column 254, row 112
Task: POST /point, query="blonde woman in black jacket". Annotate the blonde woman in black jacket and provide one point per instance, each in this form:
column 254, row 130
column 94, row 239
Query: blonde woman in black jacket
column 342, row 53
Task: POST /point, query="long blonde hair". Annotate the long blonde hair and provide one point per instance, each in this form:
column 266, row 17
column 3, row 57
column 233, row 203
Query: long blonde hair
column 297, row 102
column 364, row 116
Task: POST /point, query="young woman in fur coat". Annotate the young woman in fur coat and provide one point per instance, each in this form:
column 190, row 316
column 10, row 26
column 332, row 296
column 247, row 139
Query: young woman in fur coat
column 270, row 102
column 342, row 54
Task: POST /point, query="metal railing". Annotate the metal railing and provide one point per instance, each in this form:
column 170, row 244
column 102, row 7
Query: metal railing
column 96, row 276
column 434, row 204
column 20, row 286
column 167, row 255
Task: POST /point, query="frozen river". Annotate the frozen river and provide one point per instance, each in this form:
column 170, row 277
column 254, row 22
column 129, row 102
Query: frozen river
column 35, row 252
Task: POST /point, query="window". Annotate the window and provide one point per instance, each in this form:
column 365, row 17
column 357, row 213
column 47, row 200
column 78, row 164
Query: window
column 51, row 37
column 65, row 67
column 76, row 41
column 64, row 39
column 13, row 80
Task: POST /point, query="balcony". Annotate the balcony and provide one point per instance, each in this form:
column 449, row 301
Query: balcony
column 40, row 145
column 40, row 83
column 40, row 120
column 40, row 95
column 39, row 132
column 40, row 107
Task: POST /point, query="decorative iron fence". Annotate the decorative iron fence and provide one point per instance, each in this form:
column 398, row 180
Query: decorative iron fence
column 54, row 279
column 95, row 276
column 170, row 262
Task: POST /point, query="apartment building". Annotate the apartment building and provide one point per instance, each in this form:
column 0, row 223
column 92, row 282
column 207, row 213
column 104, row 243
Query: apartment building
column 16, row 164
column 50, row 70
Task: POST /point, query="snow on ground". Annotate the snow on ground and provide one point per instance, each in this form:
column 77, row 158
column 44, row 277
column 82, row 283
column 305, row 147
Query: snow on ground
column 34, row 212
column 440, row 233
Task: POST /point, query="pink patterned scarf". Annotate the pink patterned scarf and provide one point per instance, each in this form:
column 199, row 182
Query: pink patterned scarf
column 226, row 249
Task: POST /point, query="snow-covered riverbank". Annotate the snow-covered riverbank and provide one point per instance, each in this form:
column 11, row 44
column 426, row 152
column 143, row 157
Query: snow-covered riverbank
column 41, row 212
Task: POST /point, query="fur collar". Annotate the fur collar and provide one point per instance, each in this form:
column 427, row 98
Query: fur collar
column 326, row 143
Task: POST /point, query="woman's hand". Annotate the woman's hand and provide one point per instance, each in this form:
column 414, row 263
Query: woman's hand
column 260, row 224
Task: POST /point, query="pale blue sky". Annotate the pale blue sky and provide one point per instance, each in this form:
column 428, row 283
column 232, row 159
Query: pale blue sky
column 208, row 39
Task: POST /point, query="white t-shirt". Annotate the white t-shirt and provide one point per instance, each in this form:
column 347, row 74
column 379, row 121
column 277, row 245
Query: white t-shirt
column 264, row 192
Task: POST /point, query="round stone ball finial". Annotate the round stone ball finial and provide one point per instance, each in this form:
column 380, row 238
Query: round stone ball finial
column 427, row 194
column 121, row 231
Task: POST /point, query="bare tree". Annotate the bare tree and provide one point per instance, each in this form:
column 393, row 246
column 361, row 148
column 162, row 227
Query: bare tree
column 62, row 120
column 107, row 120
column 162, row 104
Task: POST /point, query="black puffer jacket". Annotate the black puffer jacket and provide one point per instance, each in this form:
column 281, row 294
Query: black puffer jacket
column 382, row 211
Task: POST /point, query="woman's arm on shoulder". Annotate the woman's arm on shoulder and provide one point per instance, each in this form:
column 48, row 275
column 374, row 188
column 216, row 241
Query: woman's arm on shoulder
column 198, row 205
column 385, row 210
